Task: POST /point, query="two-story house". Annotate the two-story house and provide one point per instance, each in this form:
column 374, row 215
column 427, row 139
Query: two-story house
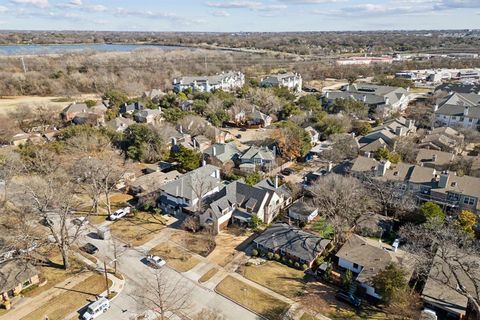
column 290, row 80
column 458, row 110
column 226, row 81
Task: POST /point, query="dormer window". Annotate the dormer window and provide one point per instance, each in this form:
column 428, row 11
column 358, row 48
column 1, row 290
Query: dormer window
column 454, row 184
column 395, row 173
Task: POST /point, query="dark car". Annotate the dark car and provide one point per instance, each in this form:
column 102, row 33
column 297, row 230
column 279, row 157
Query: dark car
column 89, row 248
column 243, row 129
column 287, row 171
column 238, row 136
column 348, row 298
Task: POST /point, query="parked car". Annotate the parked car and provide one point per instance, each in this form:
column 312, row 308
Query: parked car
column 155, row 261
column 89, row 248
column 120, row 213
column 287, row 171
column 348, row 298
column 243, row 129
column 238, row 136
column 96, row 308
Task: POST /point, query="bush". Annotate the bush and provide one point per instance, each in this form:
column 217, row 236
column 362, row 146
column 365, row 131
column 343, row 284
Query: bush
column 290, row 262
column 255, row 252
column 276, row 257
column 296, row 265
column 270, row 256
column 304, row 267
column 284, row 260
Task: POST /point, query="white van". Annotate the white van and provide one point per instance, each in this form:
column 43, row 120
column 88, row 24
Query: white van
column 96, row 308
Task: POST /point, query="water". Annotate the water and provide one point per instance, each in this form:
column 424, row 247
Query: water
column 38, row 49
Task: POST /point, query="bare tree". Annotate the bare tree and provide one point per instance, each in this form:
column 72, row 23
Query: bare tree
column 209, row 314
column 342, row 200
column 448, row 257
column 169, row 299
column 201, row 186
column 10, row 165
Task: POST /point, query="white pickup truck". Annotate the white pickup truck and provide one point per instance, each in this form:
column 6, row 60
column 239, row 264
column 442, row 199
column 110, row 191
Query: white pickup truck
column 120, row 213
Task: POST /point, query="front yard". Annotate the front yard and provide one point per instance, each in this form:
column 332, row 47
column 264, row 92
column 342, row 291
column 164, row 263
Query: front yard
column 138, row 229
column 252, row 298
column 61, row 306
column 229, row 242
column 277, row 277
column 176, row 257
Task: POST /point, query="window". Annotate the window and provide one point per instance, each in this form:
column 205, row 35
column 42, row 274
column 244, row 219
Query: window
column 355, row 266
column 26, row 283
column 454, row 118
column 469, row 200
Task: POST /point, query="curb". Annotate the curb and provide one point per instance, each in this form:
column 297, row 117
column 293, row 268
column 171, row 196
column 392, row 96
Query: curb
column 238, row 304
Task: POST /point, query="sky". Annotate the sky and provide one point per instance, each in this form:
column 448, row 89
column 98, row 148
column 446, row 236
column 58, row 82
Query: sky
column 238, row 15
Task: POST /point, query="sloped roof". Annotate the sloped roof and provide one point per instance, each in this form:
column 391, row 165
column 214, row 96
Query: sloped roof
column 454, row 105
column 14, row 272
column 426, row 156
column 292, row 240
column 224, row 151
column 255, row 152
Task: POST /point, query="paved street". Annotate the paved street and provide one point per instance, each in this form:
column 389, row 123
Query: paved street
column 137, row 274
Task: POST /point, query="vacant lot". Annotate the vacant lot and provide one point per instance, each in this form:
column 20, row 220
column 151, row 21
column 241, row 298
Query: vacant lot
column 194, row 242
column 228, row 244
column 73, row 299
column 8, row 104
column 252, row 298
column 139, row 229
column 176, row 257
column 277, row 277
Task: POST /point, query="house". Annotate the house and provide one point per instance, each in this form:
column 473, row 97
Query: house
column 292, row 243
column 290, row 80
column 259, row 156
column 219, row 154
column 374, row 225
column 15, row 277
column 302, row 211
column 162, row 166
column 187, row 192
column 458, row 110
column 438, row 160
column 149, row 116
column 442, row 187
column 226, row 81
column 201, row 143
column 119, row 124
column 72, row 110
column 257, row 118
column 440, row 293
column 365, row 258
column 131, row 108
column 280, row 193
column 314, row 135
column 154, row 94
column 383, row 100
column 146, row 188
column 443, row 139
column 450, row 88
column 385, row 134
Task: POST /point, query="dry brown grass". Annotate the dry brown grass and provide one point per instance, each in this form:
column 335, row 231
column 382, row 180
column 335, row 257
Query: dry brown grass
column 208, row 275
column 252, row 298
column 61, row 306
column 138, row 229
column 277, row 277
column 227, row 243
column 176, row 257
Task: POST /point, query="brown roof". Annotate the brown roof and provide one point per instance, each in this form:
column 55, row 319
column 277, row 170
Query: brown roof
column 422, row 175
column 364, row 164
column 426, row 156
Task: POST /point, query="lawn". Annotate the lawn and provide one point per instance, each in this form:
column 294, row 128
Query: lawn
column 252, row 298
column 176, row 257
column 73, row 299
column 194, row 242
column 55, row 275
column 228, row 242
column 138, row 229
column 208, row 275
column 277, row 277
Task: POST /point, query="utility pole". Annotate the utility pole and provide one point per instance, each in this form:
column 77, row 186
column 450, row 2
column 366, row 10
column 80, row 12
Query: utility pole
column 23, row 65
column 106, row 278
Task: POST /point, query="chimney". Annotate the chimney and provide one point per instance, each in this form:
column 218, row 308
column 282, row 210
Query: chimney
column 443, row 182
column 180, row 129
column 400, row 131
column 276, row 182
column 435, row 108
column 465, row 111
column 214, row 150
column 395, row 245
column 364, row 98
column 327, row 94
column 174, row 141
column 368, row 154
column 383, row 166
column 330, row 166
column 204, row 163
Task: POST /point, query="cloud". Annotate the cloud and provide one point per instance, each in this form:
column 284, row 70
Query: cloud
column 35, row 3
column 3, row 9
column 456, row 4
column 76, row 3
column 250, row 5
column 221, row 13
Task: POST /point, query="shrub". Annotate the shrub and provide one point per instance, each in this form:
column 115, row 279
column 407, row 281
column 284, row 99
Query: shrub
column 270, row 256
column 276, row 257
column 304, row 267
column 284, row 260
column 255, row 252
column 290, row 262
column 296, row 265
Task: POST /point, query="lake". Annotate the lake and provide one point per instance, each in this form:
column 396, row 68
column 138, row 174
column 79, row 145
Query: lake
column 38, row 49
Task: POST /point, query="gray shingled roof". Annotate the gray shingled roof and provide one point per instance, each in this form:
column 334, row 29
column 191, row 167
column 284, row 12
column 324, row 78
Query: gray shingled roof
column 14, row 272
column 224, row 151
column 454, row 105
column 293, row 241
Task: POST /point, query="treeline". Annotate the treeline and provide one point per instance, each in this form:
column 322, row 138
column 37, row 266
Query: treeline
column 305, row 43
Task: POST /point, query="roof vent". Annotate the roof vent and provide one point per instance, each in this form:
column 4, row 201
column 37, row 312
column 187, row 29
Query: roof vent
column 454, row 184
